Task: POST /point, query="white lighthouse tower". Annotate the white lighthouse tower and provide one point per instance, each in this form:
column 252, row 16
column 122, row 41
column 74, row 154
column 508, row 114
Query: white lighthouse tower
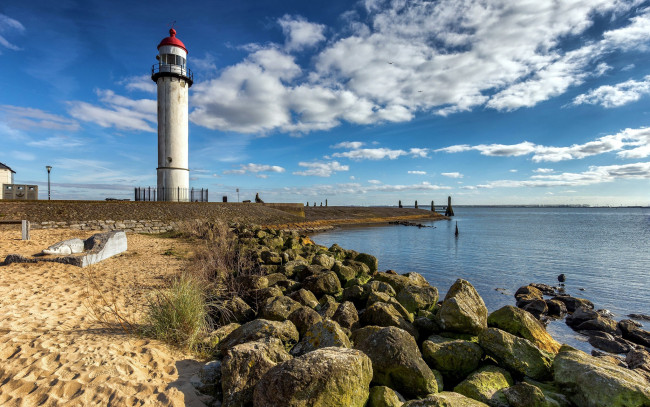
column 174, row 80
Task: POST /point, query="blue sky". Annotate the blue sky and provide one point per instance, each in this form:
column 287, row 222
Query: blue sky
column 491, row 102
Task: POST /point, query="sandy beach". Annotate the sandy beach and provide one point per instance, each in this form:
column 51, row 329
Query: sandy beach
column 54, row 351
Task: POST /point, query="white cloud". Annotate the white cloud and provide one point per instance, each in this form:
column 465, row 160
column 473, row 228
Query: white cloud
column 452, row 174
column 10, row 26
column 513, row 170
column 256, row 169
column 320, row 169
column 544, row 170
column 418, row 172
column 629, row 143
column 142, row 83
column 594, row 175
column 207, row 64
column 300, row 33
column 23, row 155
column 353, row 188
column 57, row 142
column 27, row 118
column 349, row 144
column 614, row 96
column 405, row 57
column 120, row 112
column 374, row 181
column 381, row 153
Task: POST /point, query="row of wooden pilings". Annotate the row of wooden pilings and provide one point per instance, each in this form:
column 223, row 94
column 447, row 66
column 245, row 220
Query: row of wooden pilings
column 449, row 211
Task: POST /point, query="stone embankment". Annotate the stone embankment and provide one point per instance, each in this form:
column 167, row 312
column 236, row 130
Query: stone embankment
column 320, row 326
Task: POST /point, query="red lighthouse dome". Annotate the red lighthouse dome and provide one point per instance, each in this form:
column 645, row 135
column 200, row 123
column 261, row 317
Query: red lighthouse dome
column 172, row 40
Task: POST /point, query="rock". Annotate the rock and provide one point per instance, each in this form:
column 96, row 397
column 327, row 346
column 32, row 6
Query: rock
column 304, row 297
column 236, row 309
column 485, row 384
column 572, row 303
column 269, row 257
column 426, row 326
column 608, row 345
column 259, row 296
column 536, row 307
column 292, row 267
column 277, row 279
column 516, row 354
column 347, row 316
column 382, row 314
column 359, row 267
column 527, row 395
column 529, row 290
column 251, row 282
column 368, row 260
column 343, row 272
column 642, row 317
column 382, row 396
column 259, row 329
column 580, row 315
column 398, row 282
column 376, row 296
column 244, row 365
column 303, row 318
column 380, row 287
column 323, row 334
column 323, row 260
column 521, row 323
column 329, row 377
column 544, row 288
column 357, row 294
column 445, row 399
column 633, row 333
column 592, row 382
column 561, row 278
column 323, row 283
column 327, row 306
column 638, row 359
column 216, row 336
column 598, row 324
column 556, row 308
column 415, row 298
column 66, row 247
column 454, row 358
column 463, row 310
column 397, row 361
column 278, row 308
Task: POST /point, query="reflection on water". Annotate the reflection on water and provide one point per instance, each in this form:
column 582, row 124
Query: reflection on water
column 603, row 251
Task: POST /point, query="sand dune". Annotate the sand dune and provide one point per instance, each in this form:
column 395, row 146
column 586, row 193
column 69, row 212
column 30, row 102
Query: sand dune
column 53, row 349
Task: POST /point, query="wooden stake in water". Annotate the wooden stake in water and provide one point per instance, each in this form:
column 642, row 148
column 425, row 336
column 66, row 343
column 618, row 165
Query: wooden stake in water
column 456, row 233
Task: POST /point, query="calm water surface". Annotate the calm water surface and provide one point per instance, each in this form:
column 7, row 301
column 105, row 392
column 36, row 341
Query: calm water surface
column 604, row 252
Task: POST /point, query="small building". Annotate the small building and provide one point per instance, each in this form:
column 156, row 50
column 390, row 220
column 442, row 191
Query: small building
column 9, row 190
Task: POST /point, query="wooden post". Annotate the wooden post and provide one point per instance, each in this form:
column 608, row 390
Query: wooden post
column 416, row 204
column 449, row 211
column 25, row 229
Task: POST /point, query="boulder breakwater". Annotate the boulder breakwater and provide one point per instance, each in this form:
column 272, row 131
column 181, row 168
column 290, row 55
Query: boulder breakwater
column 309, row 325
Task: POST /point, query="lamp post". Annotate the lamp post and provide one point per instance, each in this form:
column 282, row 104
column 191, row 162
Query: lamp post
column 49, row 168
column 237, row 194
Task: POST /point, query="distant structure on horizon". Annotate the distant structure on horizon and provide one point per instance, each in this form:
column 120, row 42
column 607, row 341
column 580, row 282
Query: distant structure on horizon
column 174, row 80
column 9, row 190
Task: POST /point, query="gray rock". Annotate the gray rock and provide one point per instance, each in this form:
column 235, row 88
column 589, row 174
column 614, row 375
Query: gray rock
column 323, row 260
column 66, row 247
column 485, row 385
column 445, row 399
column 327, row 306
column 237, row 310
column 347, row 316
column 323, row 334
column 380, row 287
column 396, row 361
column 244, row 365
column 527, row 395
column 594, row 382
column 323, row 283
column 382, row 396
column 573, row 303
column 303, row 318
column 382, row 314
column 516, row 354
column 368, row 260
column 415, row 298
column 463, row 310
column 454, row 358
column 278, row 308
column 259, row 329
column 304, row 297
column 328, row 377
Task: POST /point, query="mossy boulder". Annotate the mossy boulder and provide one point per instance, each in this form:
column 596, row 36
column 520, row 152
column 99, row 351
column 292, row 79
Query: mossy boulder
column 324, row 260
column 485, row 385
column 376, row 296
column 346, row 315
column 237, row 310
column 304, row 297
column 368, row 260
column 327, row 306
column 328, row 377
column 323, row 283
column 344, row 273
column 399, row 282
column 380, row 287
column 244, row 365
column 322, row 334
column 454, row 358
column 382, row 396
column 303, row 318
column 526, row 395
column 594, row 382
column 463, row 310
column 445, row 399
column 516, row 354
column 415, row 298
column 383, row 314
column 259, row 329
column 396, row 361
column 291, row 268
column 521, row 323
column 278, row 308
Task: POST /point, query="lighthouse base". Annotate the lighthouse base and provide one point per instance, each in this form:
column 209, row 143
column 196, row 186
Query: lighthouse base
column 173, row 184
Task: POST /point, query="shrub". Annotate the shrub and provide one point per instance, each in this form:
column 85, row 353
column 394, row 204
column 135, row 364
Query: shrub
column 178, row 315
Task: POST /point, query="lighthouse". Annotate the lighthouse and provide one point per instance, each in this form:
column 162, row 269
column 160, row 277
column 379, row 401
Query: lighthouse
column 173, row 79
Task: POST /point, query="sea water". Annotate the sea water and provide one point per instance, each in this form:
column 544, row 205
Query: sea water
column 604, row 253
